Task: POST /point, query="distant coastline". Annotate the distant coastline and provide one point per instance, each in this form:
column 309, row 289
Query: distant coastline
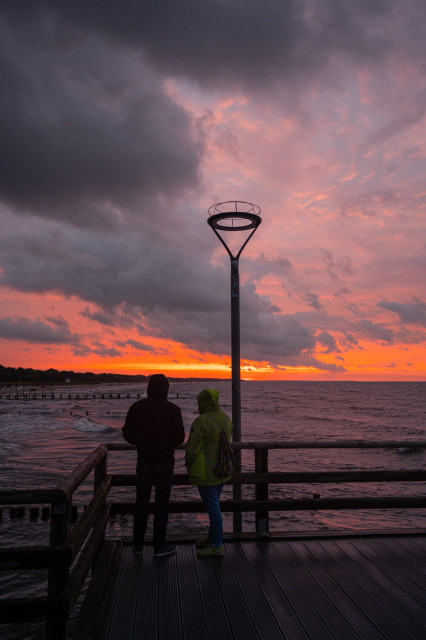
column 20, row 376
column 17, row 376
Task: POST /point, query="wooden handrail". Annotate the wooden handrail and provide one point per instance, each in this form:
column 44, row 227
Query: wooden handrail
column 293, row 477
column 80, row 473
column 31, row 496
column 304, row 444
column 288, row 504
column 89, row 517
column 20, row 610
column 37, row 557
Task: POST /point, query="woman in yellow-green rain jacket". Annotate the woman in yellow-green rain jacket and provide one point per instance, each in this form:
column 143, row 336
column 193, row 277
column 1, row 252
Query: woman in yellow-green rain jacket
column 201, row 455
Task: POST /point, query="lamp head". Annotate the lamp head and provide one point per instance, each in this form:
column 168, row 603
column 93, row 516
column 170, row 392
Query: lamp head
column 234, row 215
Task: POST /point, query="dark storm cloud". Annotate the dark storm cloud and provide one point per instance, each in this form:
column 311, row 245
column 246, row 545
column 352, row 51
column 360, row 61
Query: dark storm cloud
column 107, row 319
column 54, row 331
column 264, row 335
column 88, row 133
column 140, row 346
column 313, row 300
column 110, row 270
column 183, row 298
column 374, row 330
column 105, row 352
column 264, row 265
column 248, row 42
column 413, row 312
column 328, row 341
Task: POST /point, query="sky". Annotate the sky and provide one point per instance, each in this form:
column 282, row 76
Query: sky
column 122, row 123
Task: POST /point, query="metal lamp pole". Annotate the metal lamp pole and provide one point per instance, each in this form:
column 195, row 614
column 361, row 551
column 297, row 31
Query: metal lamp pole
column 235, row 216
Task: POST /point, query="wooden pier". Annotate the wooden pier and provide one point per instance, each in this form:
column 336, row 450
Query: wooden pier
column 294, row 588
column 268, row 585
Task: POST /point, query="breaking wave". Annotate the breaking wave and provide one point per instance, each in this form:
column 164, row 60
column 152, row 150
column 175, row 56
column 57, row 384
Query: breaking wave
column 88, row 425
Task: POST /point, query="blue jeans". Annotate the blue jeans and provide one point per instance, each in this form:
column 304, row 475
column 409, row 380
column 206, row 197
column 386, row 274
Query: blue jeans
column 210, row 496
column 148, row 475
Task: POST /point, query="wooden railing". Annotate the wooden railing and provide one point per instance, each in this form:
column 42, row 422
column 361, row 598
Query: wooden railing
column 261, row 478
column 73, row 550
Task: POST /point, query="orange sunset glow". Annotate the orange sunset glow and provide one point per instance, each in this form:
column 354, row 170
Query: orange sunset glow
column 114, row 147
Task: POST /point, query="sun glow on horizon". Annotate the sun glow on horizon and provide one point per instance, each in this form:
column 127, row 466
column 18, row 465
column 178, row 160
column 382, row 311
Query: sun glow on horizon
column 220, row 367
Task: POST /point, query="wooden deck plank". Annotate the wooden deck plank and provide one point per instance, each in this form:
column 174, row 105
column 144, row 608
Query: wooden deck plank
column 99, row 628
column 169, row 619
column 297, row 589
column 409, row 594
column 145, row 616
column 368, row 618
column 412, row 553
column 420, row 542
column 417, row 545
column 192, row 611
column 256, row 602
column 403, row 561
column 123, row 611
column 310, row 620
column 337, row 616
column 239, row 615
column 274, row 590
column 386, row 592
column 214, row 610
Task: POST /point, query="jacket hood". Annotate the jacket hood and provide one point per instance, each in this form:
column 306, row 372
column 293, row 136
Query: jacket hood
column 208, row 400
column 158, row 386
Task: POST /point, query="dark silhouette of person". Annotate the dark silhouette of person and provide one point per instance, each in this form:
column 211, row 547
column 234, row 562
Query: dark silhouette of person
column 155, row 426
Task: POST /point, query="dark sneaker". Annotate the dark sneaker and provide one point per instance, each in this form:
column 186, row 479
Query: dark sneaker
column 167, row 550
column 138, row 551
column 200, row 544
column 207, row 552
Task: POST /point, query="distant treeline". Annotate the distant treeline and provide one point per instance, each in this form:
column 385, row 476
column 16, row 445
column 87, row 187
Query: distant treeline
column 19, row 375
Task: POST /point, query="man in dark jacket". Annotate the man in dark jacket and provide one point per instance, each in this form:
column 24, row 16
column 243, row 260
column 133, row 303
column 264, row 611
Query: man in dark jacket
column 155, row 426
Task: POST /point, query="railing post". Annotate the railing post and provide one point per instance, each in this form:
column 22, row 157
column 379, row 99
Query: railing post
column 99, row 476
column 100, row 472
column 60, row 524
column 261, row 491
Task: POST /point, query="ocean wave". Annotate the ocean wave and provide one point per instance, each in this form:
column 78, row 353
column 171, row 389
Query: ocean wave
column 86, row 424
column 13, row 423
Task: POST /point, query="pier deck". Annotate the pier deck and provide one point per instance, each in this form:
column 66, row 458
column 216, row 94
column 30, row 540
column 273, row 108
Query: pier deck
column 283, row 588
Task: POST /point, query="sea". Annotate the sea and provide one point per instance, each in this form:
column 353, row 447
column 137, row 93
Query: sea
column 44, row 438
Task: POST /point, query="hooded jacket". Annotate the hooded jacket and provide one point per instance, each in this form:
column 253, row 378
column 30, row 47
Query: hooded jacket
column 154, row 424
column 202, row 447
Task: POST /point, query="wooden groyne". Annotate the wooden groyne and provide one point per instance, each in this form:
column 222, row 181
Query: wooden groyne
column 74, row 548
column 54, row 395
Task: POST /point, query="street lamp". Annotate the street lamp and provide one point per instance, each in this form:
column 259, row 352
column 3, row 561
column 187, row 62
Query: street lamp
column 228, row 217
